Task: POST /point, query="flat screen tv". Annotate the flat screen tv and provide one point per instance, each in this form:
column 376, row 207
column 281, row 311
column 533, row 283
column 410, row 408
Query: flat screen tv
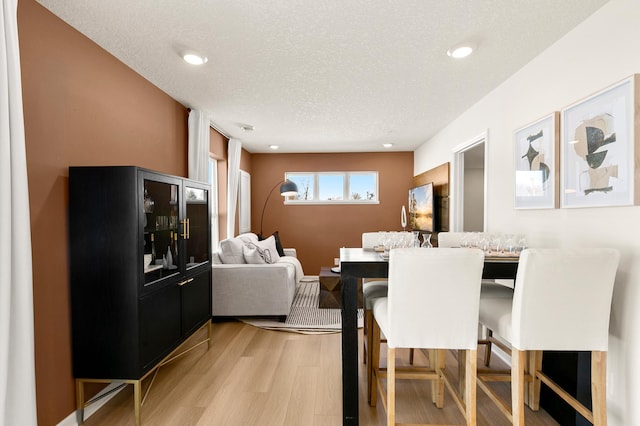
column 421, row 207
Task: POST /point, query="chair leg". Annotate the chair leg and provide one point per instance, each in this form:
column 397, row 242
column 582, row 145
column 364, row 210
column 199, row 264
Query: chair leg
column 599, row 387
column 487, row 351
column 391, row 386
column 535, row 365
column 368, row 315
column 434, row 383
column 517, row 386
column 437, row 386
column 373, row 364
column 470, row 386
column 462, row 375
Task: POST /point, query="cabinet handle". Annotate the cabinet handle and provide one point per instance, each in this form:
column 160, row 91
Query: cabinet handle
column 185, row 282
column 188, row 229
column 185, row 224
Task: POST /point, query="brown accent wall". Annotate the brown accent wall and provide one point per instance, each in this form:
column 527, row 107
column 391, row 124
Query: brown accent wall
column 318, row 231
column 81, row 107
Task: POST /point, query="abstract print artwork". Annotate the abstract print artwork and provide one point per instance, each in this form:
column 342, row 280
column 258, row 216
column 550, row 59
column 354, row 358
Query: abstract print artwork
column 599, row 146
column 536, row 170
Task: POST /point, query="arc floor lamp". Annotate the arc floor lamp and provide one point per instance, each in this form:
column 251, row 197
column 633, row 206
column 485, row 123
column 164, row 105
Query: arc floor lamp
column 287, row 189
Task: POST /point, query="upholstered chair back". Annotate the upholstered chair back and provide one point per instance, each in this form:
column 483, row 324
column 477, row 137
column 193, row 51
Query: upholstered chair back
column 450, row 239
column 371, row 239
column 433, row 298
column 562, row 299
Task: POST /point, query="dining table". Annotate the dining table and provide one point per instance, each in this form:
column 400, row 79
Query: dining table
column 357, row 263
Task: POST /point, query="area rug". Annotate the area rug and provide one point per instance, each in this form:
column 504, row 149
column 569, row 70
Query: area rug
column 305, row 316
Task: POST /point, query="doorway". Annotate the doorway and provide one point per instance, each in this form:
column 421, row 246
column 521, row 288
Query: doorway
column 469, row 185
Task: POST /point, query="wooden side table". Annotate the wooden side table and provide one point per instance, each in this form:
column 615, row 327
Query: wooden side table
column 331, row 289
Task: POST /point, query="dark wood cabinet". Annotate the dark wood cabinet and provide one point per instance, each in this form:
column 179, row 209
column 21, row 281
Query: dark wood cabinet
column 140, row 268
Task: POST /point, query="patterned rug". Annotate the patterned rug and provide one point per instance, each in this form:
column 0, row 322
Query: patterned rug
column 305, row 316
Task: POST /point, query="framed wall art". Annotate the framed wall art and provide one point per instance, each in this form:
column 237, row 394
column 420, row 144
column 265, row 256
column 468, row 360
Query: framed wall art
column 536, row 164
column 599, row 148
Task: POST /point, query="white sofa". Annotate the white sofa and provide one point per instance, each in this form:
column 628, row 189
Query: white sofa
column 253, row 289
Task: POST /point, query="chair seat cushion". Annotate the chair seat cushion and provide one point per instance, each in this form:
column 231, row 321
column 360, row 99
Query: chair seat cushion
column 372, row 290
column 380, row 308
column 493, row 289
column 495, row 314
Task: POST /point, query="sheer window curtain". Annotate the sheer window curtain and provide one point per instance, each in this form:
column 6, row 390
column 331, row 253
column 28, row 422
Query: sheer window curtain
column 199, row 145
column 233, row 182
column 17, row 366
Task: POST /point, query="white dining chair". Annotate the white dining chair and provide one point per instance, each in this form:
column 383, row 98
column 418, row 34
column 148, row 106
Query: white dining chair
column 561, row 302
column 432, row 303
column 489, row 288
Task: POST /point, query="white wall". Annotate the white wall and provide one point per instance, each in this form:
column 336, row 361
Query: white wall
column 602, row 50
column 473, row 199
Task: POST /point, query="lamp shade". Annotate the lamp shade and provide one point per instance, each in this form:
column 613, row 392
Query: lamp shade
column 288, row 188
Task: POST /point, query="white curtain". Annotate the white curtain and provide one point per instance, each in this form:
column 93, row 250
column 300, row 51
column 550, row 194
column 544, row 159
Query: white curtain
column 233, row 182
column 198, row 145
column 17, row 371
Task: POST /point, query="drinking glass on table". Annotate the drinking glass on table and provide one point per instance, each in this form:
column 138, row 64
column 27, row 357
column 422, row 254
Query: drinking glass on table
column 495, row 243
column 522, row 243
column 510, row 242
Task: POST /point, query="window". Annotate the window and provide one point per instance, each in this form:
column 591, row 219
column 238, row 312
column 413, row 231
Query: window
column 335, row 187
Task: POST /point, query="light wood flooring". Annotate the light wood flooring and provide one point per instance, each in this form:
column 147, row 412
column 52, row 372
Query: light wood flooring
column 252, row 376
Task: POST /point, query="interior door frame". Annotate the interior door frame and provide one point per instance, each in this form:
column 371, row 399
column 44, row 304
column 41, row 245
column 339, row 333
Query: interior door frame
column 457, row 184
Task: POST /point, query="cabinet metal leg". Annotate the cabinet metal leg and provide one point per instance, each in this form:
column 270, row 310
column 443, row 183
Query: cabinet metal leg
column 138, row 399
column 137, row 392
column 80, row 401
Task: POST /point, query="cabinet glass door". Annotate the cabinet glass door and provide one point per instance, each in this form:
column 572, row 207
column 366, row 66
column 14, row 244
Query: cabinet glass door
column 196, row 225
column 161, row 223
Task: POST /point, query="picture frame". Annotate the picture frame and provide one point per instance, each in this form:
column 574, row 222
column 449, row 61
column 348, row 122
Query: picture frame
column 536, row 148
column 599, row 148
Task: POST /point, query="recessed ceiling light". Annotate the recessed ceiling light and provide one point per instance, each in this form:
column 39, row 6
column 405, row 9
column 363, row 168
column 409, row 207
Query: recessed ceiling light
column 274, row 147
column 461, row 51
column 194, row 59
column 387, row 145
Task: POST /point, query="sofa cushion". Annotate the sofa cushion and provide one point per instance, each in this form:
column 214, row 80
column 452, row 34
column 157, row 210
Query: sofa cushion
column 278, row 243
column 261, row 251
column 231, row 248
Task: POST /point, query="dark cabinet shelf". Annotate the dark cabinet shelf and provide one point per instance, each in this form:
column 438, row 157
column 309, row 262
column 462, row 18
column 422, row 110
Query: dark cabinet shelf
column 130, row 311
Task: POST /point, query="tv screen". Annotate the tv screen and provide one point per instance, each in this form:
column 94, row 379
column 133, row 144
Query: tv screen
column 421, row 207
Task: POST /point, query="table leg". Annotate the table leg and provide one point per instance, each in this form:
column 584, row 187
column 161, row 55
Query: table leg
column 349, row 350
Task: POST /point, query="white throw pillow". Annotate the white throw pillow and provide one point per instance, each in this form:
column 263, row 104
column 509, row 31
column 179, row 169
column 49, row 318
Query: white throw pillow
column 248, row 236
column 261, row 251
column 231, row 248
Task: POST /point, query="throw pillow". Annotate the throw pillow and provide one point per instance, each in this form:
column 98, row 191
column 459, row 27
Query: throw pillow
column 231, row 248
column 261, row 251
column 248, row 236
column 278, row 243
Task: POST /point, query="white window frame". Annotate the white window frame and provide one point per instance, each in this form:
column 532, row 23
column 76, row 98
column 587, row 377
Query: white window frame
column 346, row 192
column 213, row 180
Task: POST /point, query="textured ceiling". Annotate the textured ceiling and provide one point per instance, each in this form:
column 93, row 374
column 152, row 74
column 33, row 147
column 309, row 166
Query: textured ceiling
column 326, row 75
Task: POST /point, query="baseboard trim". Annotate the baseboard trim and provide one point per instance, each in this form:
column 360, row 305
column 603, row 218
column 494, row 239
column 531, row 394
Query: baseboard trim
column 109, row 392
